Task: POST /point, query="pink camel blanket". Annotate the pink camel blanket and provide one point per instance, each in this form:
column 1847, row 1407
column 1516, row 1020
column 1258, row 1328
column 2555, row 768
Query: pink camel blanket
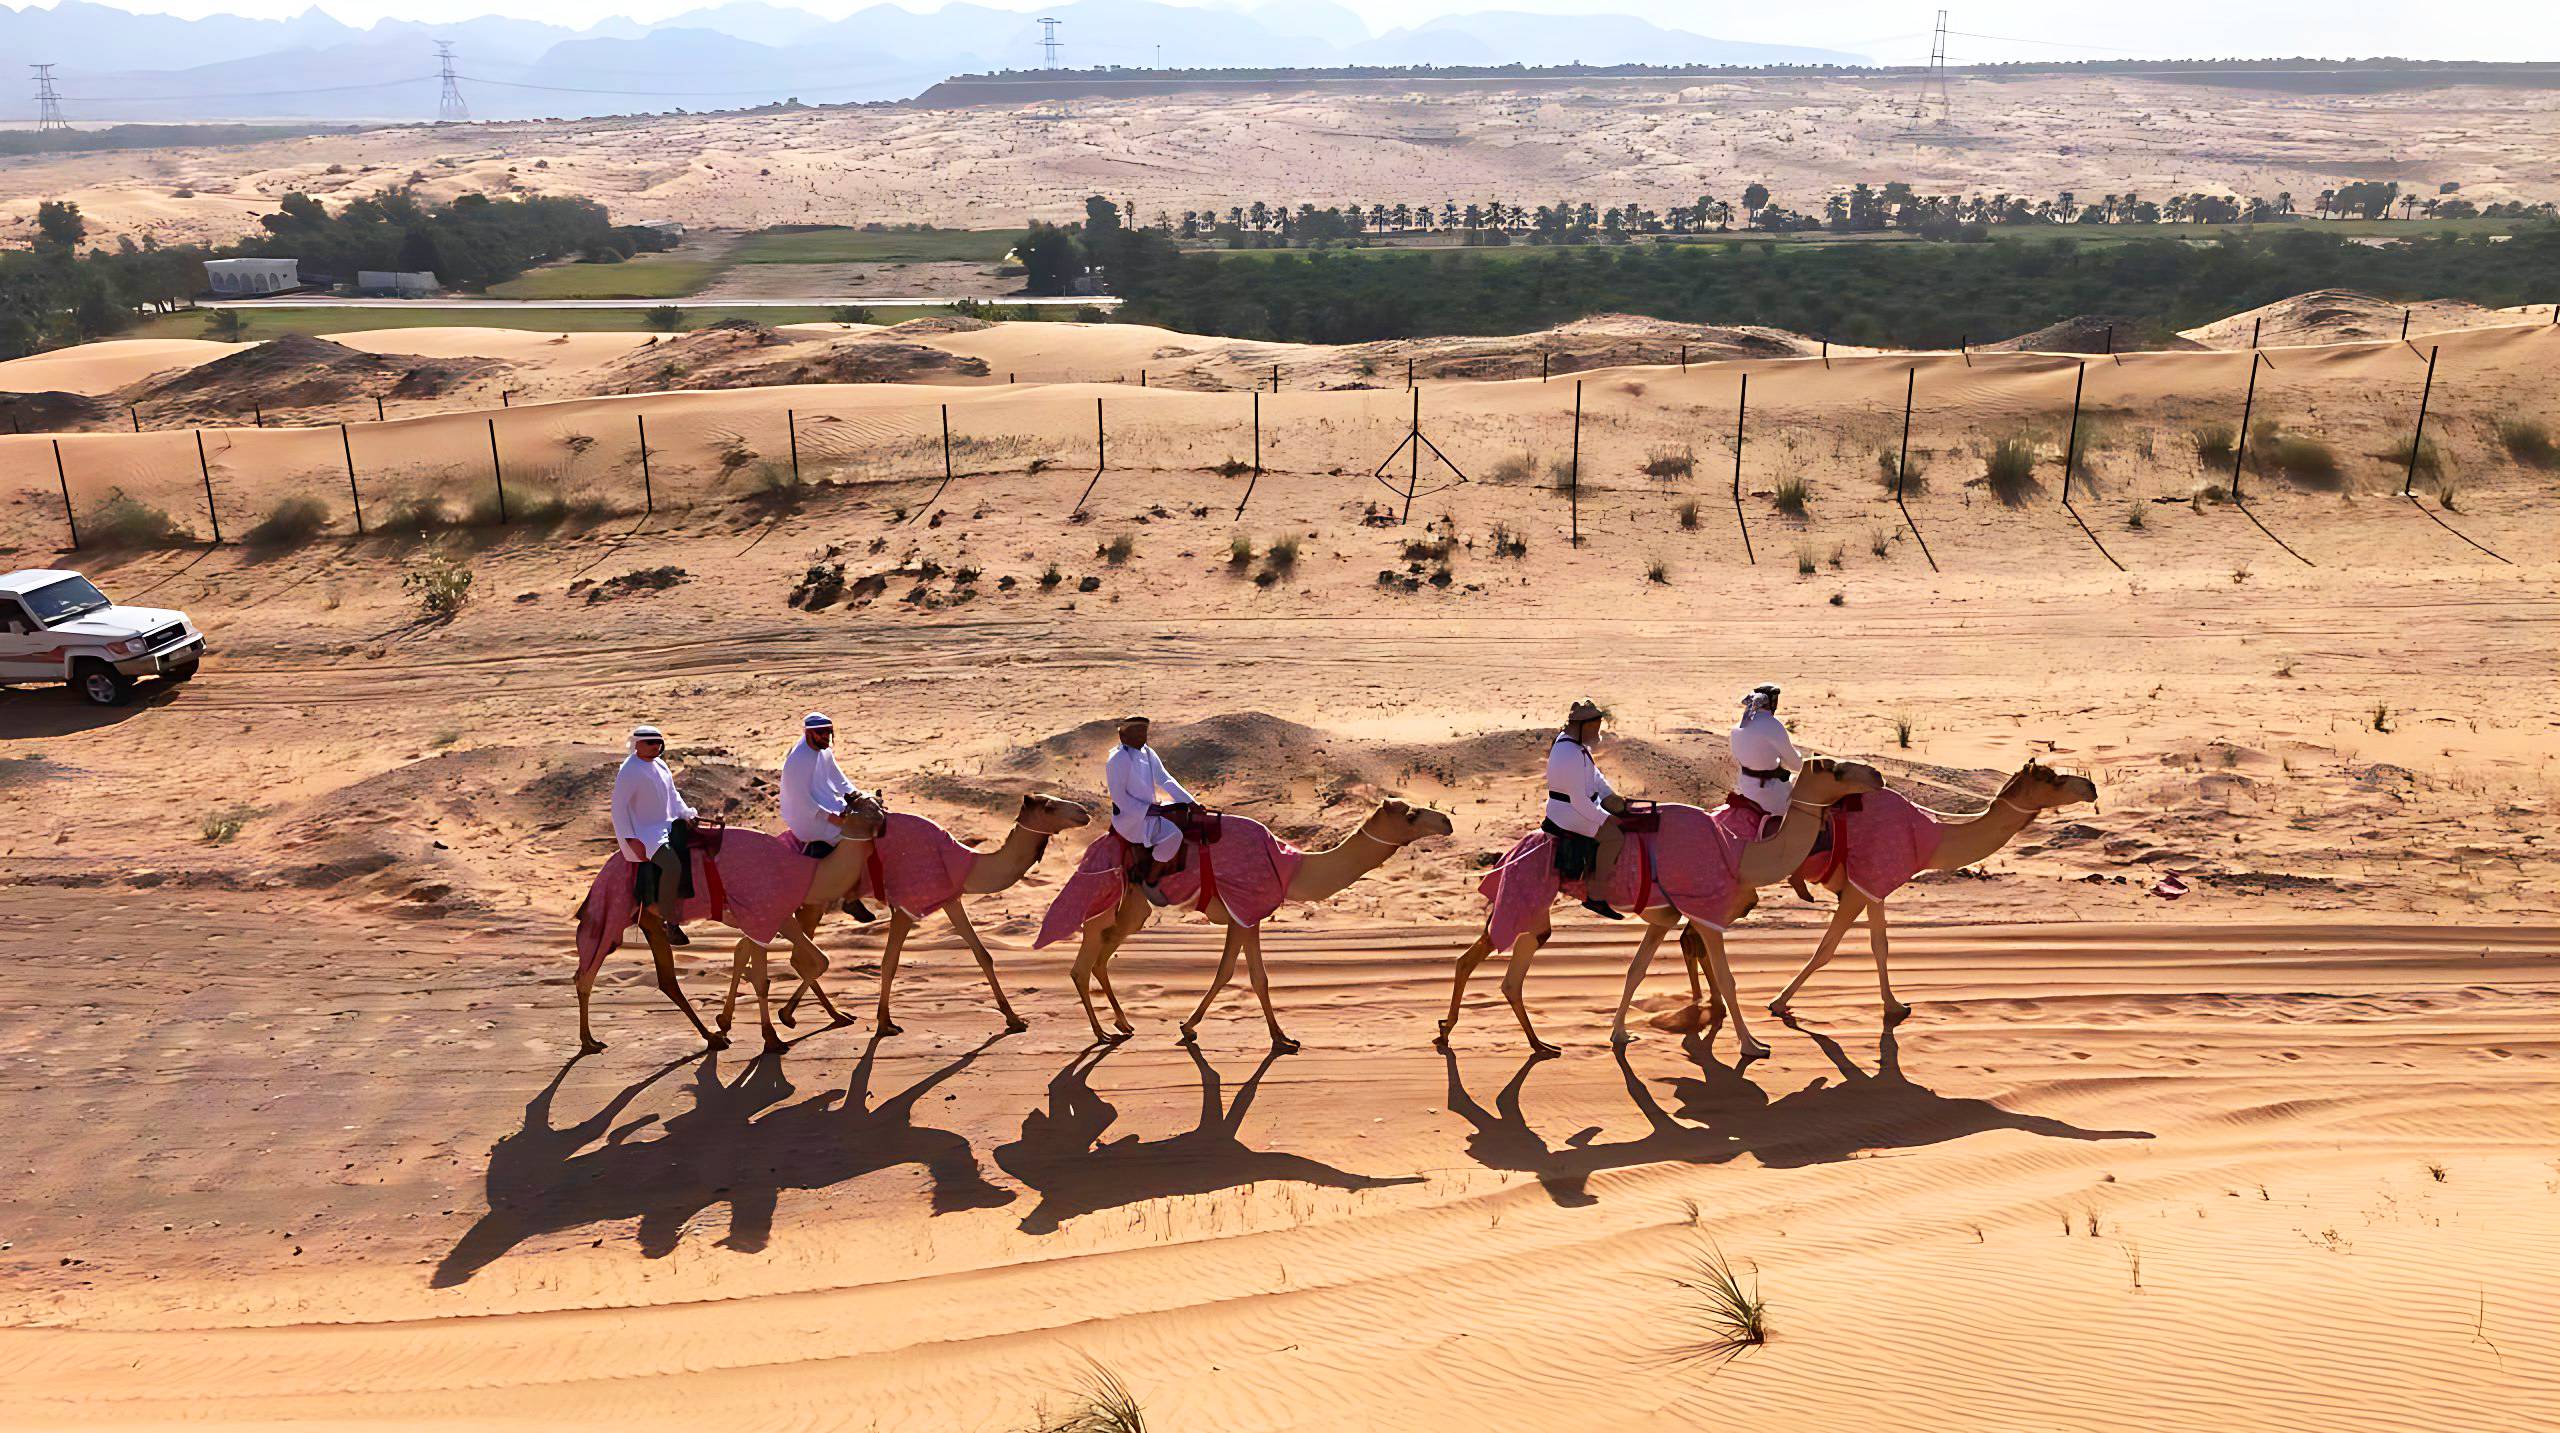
column 1880, row 839
column 1247, row 869
column 916, row 866
column 754, row 884
column 1691, row 864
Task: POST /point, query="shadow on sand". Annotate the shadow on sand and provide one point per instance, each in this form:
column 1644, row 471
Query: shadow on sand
column 1721, row 1114
column 545, row 1180
column 1061, row 1157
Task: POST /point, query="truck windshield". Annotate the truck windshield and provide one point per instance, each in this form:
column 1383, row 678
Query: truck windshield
column 59, row 602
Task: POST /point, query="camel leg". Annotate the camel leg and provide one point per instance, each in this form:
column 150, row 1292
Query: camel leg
column 1281, row 1044
column 1655, row 928
column 1515, row 979
column 809, row 962
column 1133, row 918
column 1693, row 952
column 588, row 1044
column 900, row 923
column 1841, row 919
column 1088, row 960
column 1468, row 959
column 1720, row 969
column 654, row 929
column 760, row 975
column 1218, row 982
column 739, row 955
column 808, row 918
column 1893, row 1009
column 959, row 917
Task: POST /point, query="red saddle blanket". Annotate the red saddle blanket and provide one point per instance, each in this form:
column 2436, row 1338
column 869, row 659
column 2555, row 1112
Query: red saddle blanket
column 1880, row 839
column 1247, row 869
column 754, row 883
column 1691, row 862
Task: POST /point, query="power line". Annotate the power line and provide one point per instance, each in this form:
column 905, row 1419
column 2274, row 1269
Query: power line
column 449, row 106
column 639, row 94
column 2049, row 44
column 48, row 103
column 1049, row 41
column 246, row 94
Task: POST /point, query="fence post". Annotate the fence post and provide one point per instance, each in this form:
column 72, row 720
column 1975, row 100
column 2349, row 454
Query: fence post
column 648, row 493
column 2404, row 325
column 1275, row 378
column 1684, row 358
column 497, row 473
column 1964, row 345
column 207, row 469
column 2240, row 445
column 2255, row 325
column 1902, row 460
column 504, row 397
column 1251, row 482
column 63, row 478
column 2419, row 434
column 1100, row 458
column 2071, row 444
column 347, row 446
column 134, row 414
column 1573, row 478
column 1142, row 378
column 791, row 425
column 946, row 444
column 1542, row 365
column 1408, row 371
column 257, row 414
column 2111, row 340
column 1826, row 351
column 1741, row 415
column 377, row 408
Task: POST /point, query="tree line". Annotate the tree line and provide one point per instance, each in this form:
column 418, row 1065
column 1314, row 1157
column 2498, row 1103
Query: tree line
column 1893, row 295
column 61, row 291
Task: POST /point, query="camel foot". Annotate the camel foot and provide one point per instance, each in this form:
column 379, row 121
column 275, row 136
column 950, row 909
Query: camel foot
column 1621, row 1039
column 1780, row 1008
column 1751, row 1050
column 886, row 1026
column 721, row 1024
column 718, row 1040
column 1188, row 1036
column 1896, row 1013
column 1543, row 1050
column 590, row 1045
column 1440, row 1041
column 1015, row 1024
column 787, row 1017
column 1283, row 1045
column 774, row 1044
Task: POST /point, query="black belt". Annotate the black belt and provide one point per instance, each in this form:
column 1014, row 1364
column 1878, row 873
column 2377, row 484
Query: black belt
column 1775, row 773
column 1559, row 796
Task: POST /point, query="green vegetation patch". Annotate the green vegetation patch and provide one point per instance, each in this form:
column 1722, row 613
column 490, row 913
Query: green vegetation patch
column 653, row 277
column 867, row 246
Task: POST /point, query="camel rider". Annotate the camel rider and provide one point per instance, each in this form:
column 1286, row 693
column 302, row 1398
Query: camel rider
column 1135, row 776
column 645, row 810
column 816, row 799
column 1765, row 755
column 1582, row 810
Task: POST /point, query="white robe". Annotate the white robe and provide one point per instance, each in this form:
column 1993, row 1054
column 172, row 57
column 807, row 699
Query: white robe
column 645, row 803
column 1574, row 776
column 1761, row 742
column 814, row 789
column 1134, row 776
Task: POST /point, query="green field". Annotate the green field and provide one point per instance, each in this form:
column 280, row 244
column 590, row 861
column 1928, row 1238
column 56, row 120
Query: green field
column 870, row 246
column 651, row 276
column 268, row 323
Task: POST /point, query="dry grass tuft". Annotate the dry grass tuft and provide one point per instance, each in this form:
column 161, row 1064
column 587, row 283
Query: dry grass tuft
column 1791, row 496
column 1103, row 1404
column 1728, row 1316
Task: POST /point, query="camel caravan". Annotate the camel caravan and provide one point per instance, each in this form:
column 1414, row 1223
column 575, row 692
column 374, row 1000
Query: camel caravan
column 1678, row 870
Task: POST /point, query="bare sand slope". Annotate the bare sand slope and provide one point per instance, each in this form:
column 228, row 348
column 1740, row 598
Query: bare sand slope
column 303, row 1144
column 1656, row 145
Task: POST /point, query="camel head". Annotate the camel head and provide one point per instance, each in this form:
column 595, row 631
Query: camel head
column 1401, row 823
column 867, row 817
column 1049, row 815
column 1825, row 780
column 2038, row 787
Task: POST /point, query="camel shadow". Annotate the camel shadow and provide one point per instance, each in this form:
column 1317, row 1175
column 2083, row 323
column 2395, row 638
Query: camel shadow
column 1060, row 1155
column 1721, row 1113
column 544, row 1179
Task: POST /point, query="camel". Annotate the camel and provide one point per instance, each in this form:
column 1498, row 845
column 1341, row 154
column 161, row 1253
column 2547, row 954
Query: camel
column 764, row 888
column 1313, row 876
column 1756, row 863
column 993, row 869
column 1960, row 842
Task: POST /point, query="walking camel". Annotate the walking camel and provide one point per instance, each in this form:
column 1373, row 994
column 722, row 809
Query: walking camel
column 1704, row 866
column 1236, row 880
column 924, row 869
column 747, row 880
column 1887, row 840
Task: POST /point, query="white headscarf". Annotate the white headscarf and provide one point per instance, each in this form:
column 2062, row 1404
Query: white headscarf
column 1762, row 698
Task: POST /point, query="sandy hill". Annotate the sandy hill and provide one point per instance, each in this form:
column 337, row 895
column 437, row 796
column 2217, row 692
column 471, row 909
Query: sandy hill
column 2345, row 316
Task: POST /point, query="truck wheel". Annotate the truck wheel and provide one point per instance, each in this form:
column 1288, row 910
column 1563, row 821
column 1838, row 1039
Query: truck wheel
column 101, row 685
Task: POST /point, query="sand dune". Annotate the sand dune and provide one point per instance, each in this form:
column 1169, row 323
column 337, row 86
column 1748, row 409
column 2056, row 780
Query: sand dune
column 308, row 1147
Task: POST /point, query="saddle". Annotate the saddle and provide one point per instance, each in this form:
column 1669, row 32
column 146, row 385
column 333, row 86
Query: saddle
column 1197, row 823
column 1641, row 818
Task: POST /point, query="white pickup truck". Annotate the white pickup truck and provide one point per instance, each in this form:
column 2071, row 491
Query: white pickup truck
column 56, row 626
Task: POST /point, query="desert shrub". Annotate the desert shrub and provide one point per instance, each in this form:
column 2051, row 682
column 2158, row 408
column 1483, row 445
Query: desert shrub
column 1791, row 496
column 1665, row 465
column 1233, row 468
column 218, row 826
column 735, row 455
column 226, row 325
column 424, row 512
column 125, row 522
column 1561, row 474
column 1903, row 725
column 1727, row 1317
column 1239, row 550
column 1116, row 548
column 666, row 318
column 849, row 313
column 440, row 583
column 2134, row 515
column 1282, row 554
column 290, row 523
column 1804, row 562
column 1688, row 514
column 2010, row 471
column 2212, row 442
column 1050, row 577
column 1520, row 467
column 1915, row 474
column 771, row 476
column 1879, row 539
column 1434, row 549
column 536, row 503
column 2528, row 442
column 1508, row 542
column 2430, row 459
column 2296, row 459
column 1658, row 572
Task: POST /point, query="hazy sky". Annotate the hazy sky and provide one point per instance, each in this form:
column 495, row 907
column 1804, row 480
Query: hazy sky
column 1889, row 30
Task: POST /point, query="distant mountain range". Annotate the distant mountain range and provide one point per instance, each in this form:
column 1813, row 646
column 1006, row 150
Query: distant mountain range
column 113, row 65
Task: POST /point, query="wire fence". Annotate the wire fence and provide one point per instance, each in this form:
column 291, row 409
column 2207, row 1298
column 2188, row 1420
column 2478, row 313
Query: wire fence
column 1734, row 448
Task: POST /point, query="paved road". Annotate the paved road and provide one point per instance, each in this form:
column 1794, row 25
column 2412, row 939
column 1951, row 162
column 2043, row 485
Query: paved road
column 866, row 301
